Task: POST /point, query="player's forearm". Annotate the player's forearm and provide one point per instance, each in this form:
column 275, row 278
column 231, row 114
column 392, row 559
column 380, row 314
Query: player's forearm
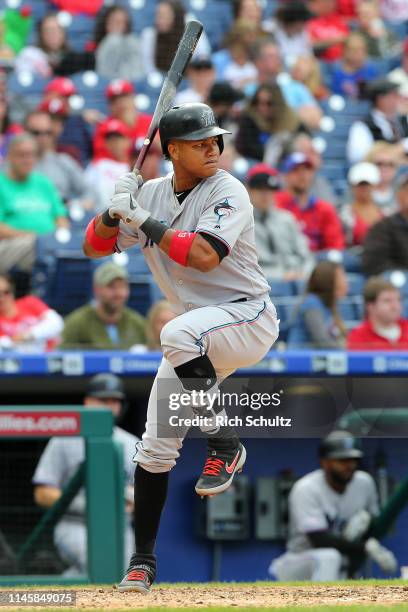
column 46, row 496
column 100, row 237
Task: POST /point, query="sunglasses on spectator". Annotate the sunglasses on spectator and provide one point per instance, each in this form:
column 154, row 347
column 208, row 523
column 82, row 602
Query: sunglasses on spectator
column 385, row 163
column 41, row 132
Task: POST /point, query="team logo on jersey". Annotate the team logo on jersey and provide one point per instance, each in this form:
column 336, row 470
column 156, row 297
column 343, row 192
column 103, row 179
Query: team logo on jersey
column 207, row 118
column 224, row 209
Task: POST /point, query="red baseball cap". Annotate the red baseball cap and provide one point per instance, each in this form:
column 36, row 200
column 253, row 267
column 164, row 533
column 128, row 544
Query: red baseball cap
column 119, row 87
column 262, row 176
column 114, row 126
column 61, row 86
column 54, row 107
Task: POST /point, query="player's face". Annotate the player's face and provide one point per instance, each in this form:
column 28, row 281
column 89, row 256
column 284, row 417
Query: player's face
column 340, row 470
column 114, row 296
column 112, row 403
column 197, row 158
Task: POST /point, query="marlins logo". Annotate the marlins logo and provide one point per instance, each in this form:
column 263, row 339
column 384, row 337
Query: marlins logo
column 222, row 210
column 207, row 118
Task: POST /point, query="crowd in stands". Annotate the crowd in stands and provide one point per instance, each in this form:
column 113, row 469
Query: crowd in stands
column 315, row 95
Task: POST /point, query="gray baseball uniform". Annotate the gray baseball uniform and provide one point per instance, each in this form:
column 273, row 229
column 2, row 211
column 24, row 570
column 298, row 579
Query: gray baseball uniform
column 211, row 321
column 315, row 506
column 58, row 462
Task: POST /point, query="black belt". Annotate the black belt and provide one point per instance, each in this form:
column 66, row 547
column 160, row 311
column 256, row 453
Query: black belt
column 240, row 300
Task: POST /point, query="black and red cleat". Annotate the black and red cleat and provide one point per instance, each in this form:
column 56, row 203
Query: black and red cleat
column 220, row 469
column 138, row 578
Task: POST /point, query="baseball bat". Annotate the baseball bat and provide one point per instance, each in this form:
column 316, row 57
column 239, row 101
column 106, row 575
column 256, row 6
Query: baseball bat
column 185, row 50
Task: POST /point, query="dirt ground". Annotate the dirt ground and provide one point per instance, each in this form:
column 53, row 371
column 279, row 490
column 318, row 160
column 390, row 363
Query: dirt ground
column 243, row 596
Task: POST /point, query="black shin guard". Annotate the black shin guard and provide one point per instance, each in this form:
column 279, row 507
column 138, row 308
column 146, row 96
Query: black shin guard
column 150, row 497
column 199, row 375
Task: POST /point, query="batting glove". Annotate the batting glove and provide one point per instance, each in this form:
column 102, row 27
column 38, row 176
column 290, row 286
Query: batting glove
column 125, row 207
column 357, row 526
column 129, row 183
column 381, row 555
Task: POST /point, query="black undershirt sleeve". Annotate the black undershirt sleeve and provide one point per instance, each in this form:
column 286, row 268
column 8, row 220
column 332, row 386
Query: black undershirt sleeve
column 217, row 245
column 325, row 539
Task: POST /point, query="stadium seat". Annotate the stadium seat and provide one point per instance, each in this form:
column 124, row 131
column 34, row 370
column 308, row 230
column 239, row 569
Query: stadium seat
column 355, row 284
column 281, row 288
column 79, row 31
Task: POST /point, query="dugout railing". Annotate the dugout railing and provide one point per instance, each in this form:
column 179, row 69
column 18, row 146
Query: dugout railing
column 101, row 473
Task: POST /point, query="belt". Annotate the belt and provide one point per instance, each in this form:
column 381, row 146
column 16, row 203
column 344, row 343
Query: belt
column 244, row 299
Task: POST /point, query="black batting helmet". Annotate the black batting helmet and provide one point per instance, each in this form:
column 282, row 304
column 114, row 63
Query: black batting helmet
column 106, row 386
column 340, row 445
column 191, row 121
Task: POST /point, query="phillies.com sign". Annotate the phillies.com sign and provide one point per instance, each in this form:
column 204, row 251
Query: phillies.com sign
column 39, row 423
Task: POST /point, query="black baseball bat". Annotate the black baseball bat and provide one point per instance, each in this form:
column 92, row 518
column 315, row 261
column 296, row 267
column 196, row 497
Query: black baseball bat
column 185, row 50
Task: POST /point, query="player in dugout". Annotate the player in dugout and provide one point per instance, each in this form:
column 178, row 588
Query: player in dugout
column 195, row 227
column 330, row 511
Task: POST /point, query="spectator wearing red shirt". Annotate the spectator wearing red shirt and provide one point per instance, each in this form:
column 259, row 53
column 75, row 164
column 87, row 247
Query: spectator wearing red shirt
column 27, row 324
column 363, row 212
column 327, row 30
column 318, row 219
column 120, row 94
column 383, row 328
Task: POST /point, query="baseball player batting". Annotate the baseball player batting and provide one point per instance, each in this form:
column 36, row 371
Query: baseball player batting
column 196, row 229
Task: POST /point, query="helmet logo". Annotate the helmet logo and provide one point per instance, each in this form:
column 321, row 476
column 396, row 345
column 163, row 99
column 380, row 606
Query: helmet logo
column 224, row 209
column 207, row 118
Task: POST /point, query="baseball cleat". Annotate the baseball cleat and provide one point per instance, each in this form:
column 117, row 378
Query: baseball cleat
column 139, row 578
column 219, row 470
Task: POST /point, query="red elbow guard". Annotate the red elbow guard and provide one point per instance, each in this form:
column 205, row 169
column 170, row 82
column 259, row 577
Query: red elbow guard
column 180, row 245
column 100, row 245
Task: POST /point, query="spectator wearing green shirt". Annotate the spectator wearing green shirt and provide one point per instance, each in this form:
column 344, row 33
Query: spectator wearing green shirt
column 106, row 323
column 29, row 206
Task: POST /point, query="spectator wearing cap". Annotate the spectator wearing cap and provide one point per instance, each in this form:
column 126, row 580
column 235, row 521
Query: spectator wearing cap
column 268, row 61
column 400, row 75
column 27, row 324
column 29, row 205
column 222, row 99
column 73, row 131
column 60, row 460
column 381, row 40
column 288, row 28
column 266, row 123
column 106, row 323
column 121, row 100
column 386, row 244
column 303, row 143
column 160, row 41
column 282, row 248
column 385, row 156
column 102, row 173
column 61, row 169
column 327, row 30
column 200, row 76
column 382, row 123
column 51, row 54
column 318, row 219
column 362, row 213
column 349, row 77
column 118, row 52
column 383, row 328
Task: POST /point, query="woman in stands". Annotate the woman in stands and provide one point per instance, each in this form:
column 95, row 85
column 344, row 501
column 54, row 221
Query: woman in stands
column 118, row 53
column 159, row 43
column 51, row 54
column 267, row 121
column 316, row 322
column 387, row 159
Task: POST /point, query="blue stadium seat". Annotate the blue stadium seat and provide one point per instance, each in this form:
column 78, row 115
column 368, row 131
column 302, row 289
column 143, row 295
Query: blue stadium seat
column 215, row 15
column 334, row 172
column 92, row 88
column 141, row 297
column 80, row 31
column 142, row 13
column 335, row 149
column 348, row 309
column 28, row 85
column 356, row 284
column 137, row 264
column 281, row 288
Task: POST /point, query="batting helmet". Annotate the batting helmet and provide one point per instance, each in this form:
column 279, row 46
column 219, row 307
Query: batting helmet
column 340, row 445
column 191, row 121
column 106, row 386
